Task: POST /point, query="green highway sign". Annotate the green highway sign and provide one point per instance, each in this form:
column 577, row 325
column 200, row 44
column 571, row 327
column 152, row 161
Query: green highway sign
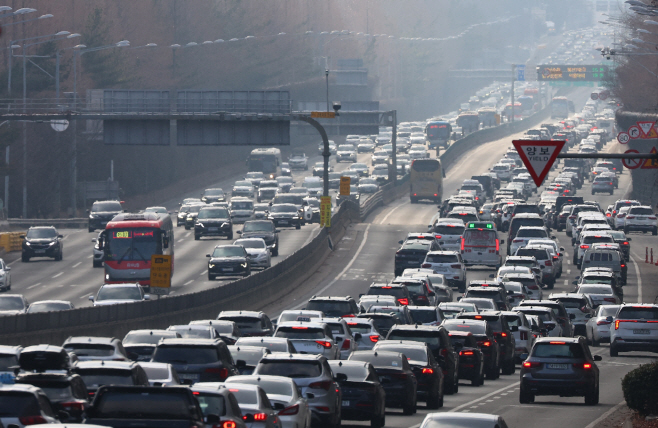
column 571, row 84
column 571, row 73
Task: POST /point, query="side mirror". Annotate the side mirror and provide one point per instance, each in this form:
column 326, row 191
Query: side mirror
column 278, row 406
column 459, row 298
column 628, row 238
column 357, row 336
column 91, row 298
column 502, row 241
column 338, row 338
column 340, row 377
column 572, row 316
column 609, row 319
column 147, row 297
column 60, row 236
column 553, row 237
column 208, row 255
column 94, row 240
column 248, row 418
column 212, row 419
column 310, row 395
column 597, row 358
column 431, row 294
column 276, row 231
column 510, row 291
column 550, row 327
column 240, row 364
column 239, row 232
column 400, row 242
column 561, row 248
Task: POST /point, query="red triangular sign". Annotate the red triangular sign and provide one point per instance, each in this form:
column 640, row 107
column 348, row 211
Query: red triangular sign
column 538, row 156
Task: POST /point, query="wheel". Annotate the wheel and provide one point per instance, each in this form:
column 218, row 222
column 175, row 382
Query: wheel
column 559, row 228
column 611, row 192
column 197, row 237
column 24, row 258
column 187, row 227
column 247, row 273
column 595, row 342
column 378, row 421
column 509, row 367
column 593, row 192
column 433, row 400
column 525, row 397
column 550, row 285
column 275, row 251
column 575, row 259
column 414, row 200
column 211, row 277
column 298, row 226
column 492, row 373
column 59, row 257
column 408, row 409
column 654, row 232
column 91, row 229
column 97, row 264
column 614, row 352
column 626, row 230
column 592, row 398
column 462, row 287
column 229, row 236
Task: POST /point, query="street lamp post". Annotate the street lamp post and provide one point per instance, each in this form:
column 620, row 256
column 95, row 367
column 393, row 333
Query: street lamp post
column 326, row 73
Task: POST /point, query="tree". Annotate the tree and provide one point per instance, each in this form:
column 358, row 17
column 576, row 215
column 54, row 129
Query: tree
column 104, row 66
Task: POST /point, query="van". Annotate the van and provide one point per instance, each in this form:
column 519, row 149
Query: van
column 481, row 246
column 606, row 258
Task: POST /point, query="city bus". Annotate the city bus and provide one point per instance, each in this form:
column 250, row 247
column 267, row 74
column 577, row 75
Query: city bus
column 426, row 180
column 438, row 133
column 129, row 241
column 268, row 161
column 560, row 108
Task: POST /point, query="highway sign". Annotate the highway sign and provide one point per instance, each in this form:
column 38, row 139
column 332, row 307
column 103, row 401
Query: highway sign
column 325, row 211
column 634, row 132
column 571, row 73
column 345, row 186
column 538, row 156
column 623, row 137
column 631, row 163
column 645, row 127
column 651, row 163
column 594, row 96
column 520, row 73
column 160, row 274
column 323, row 114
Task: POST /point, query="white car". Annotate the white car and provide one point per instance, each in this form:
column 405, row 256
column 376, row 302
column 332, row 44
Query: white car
column 310, row 338
column 241, row 209
column 516, row 292
column 578, row 306
column 640, row 218
column 522, row 332
column 632, row 332
column 367, row 301
column 525, row 234
column 529, row 280
column 450, row 265
column 284, row 395
column 298, row 161
column 458, row 419
column 368, row 185
column 618, row 221
column 243, row 188
column 597, row 329
column 600, row 294
column 369, row 333
column 5, row 276
column 114, row 294
column 557, row 252
column 256, row 248
column 298, row 315
column 346, row 152
column 546, row 315
column 448, row 232
column 503, row 171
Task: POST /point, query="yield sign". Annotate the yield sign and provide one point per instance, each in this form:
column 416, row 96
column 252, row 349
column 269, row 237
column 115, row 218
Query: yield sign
column 645, row 127
column 538, row 156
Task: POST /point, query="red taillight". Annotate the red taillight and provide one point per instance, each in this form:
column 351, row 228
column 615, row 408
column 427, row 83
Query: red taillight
column 497, row 246
column 625, row 243
column 621, row 215
column 616, row 325
column 466, row 353
column 530, row 364
column 428, row 371
column 584, row 246
column 227, row 424
column 623, row 265
column 548, row 263
column 421, row 297
column 456, row 266
column 556, row 257
column 221, row 372
column 608, row 215
column 289, row 411
column 404, row 301
column 325, row 384
column 610, row 299
column 346, row 345
column 462, row 245
column 74, row 405
column 503, row 334
column 297, row 327
column 426, row 265
column 324, row 343
column 630, row 217
column 585, row 366
column 484, row 343
column 260, row 417
column 32, row 420
column 374, row 338
column 610, row 184
column 603, row 322
column 533, row 287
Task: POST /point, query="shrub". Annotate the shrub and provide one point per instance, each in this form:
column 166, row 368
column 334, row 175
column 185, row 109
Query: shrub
column 640, row 387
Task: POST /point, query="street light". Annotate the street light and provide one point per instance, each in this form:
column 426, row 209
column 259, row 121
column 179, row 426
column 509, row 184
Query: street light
column 21, row 11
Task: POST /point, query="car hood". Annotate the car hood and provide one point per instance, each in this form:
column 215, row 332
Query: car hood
column 11, row 312
column 227, row 259
column 40, row 241
column 256, row 251
column 113, row 302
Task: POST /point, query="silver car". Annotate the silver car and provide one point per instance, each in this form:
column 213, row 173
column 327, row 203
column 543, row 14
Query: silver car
column 310, row 338
column 597, row 328
column 274, row 344
column 369, row 333
column 161, row 374
column 114, row 294
column 579, row 306
column 345, row 339
column 311, row 373
column 257, row 250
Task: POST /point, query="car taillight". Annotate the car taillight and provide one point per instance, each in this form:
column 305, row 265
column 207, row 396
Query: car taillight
column 466, row 353
column 585, row 366
column 518, row 240
column 502, row 334
column 428, row 370
column 426, row 265
column 623, row 265
column 530, row 364
column 456, row 266
column 608, row 215
column 621, row 215
column 572, row 216
column 74, row 405
column 226, row 424
column 403, row 301
column 223, row 372
column 652, row 217
column 630, row 217
column 260, row 417
column 548, row 263
column 444, row 352
column 610, row 299
column 324, row 343
column 625, row 243
column 556, row 257
column 437, row 236
column 533, row 287
column 346, row 345
column 325, row 384
column 289, row 411
column 462, row 244
column 32, row 420
column 497, row 245
column 484, row 343
column 374, row 338
column 584, row 246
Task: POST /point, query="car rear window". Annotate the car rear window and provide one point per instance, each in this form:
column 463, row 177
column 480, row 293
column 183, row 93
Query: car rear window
column 448, row 230
column 211, row 404
column 431, row 338
column 95, row 378
column 416, row 245
column 572, row 303
column 638, row 313
column 90, row 350
column 245, row 323
column 536, row 253
column 185, row 354
column 292, row 369
column 487, row 294
column 330, row 307
column 397, row 292
column 442, row 258
column 513, row 321
column 494, row 322
column 384, row 323
column 423, row 316
column 479, row 238
column 459, row 325
column 378, row 360
column 558, row 350
column 531, row 233
column 589, row 289
column 597, row 238
column 415, row 287
column 353, row 373
column 641, row 211
column 300, row 332
column 145, row 404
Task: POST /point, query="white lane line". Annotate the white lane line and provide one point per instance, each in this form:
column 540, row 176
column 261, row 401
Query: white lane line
column 77, row 264
column 568, row 262
column 390, row 212
column 639, row 279
column 204, row 272
column 568, row 271
column 90, row 256
column 566, row 282
column 349, row 265
column 84, row 296
column 605, row 415
column 188, row 282
column 59, row 274
column 180, row 240
column 34, row 286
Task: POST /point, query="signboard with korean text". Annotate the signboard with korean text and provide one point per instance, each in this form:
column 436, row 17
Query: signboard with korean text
column 345, row 186
column 325, row 211
column 538, row 156
column 571, row 73
column 160, row 274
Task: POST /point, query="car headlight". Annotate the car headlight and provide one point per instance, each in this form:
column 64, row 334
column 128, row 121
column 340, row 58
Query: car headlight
column 190, row 218
column 27, row 243
column 92, row 216
column 226, row 224
column 200, row 224
column 52, row 243
column 204, row 199
column 210, row 265
column 244, row 265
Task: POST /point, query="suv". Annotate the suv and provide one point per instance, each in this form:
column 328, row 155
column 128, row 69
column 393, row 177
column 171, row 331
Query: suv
column 635, row 328
column 213, row 221
column 420, row 290
column 573, row 215
column 250, row 323
column 498, row 294
column 438, row 340
column 545, row 260
column 264, row 229
column 578, row 305
column 88, row 348
column 22, row 405
column 310, row 338
column 313, row 377
column 102, row 212
column 565, row 367
column 213, row 195
column 196, row 360
column 42, row 241
column 412, row 254
column 333, row 306
column 450, row 264
column 503, row 334
column 150, row 406
column 519, row 220
column 98, row 373
column 560, row 312
column 399, row 291
column 640, row 218
column 586, row 240
column 298, row 161
column 140, row 344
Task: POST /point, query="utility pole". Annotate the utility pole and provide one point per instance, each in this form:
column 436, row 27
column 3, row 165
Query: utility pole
column 512, row 92
column 326, row 73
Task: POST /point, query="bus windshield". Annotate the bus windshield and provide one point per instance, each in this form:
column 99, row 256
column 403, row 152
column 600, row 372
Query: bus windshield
column 425, row 165
column 137, row 244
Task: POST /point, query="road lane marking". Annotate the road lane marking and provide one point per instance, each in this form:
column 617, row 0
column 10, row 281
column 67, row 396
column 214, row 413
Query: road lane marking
column 34, row 286
column 189, row 282
column 204, row 272
column 566, row 282
column 390, row 212
column 180, row 240
column 85, row 295
column 59, row 274
column 605, row 415
column 90, row 256
column 77, row 264
column 639, row 280
column 568, row 271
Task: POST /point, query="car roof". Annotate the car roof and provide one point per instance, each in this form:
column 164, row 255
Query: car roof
column 416, row 327
column 291, row 357
column 90, row 339
column 121, row 285
column 558, row 339
column 311, row 324
column 255, row 314
column 125, row 365
column 188, row 341
column 23, row 387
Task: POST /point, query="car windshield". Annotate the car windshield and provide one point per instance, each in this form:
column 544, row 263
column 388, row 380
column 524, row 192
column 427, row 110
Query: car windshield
column 330, row 307
column 293, row 369
column 300, row 332
column 228, row 251
column 211, row 404
column 213, row 192
column 283, row 208
column 251, row 243
column 242, row 205
column 531, row 233
column 423, row 316
column 291, row 199
column 95, row 378
column 384, row 323
column 640, row 211
column 572, row 303
column 106, row 206
column 539, row 254
column 542, row 315
column 358, row 166
column 258, row 226
column 45, row 233
column 193, row 333
column 213, row 213
column 90, row 349
column 11, row 303
column 378, row 360
column 48, row 307
column 185, row 354
column 558, row 350
column 119, row 293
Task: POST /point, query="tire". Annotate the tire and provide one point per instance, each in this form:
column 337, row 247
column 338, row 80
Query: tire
column 275, row 252
column 433, row 401
column 592, row 398
column 298, row 226
column 462, row 287
column 197, row 237
column 211, row 277
column 229, row 236
column 550, row 285
column 559, row 228
column 413, row 200
column 612, row 192
column 25, row 259
column 187, row 227
column 614, row 352
column 654, row 232
column 59, row 257
column 595, row 342
column 593, row 192
column 575, row 259
column 91, row 229
column 525, row 397
column 97, row 264
column 378, row 421
column 492, row 373
column 626, row 230
column 408, row 409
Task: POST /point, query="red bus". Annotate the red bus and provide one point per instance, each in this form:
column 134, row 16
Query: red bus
column 129, row 241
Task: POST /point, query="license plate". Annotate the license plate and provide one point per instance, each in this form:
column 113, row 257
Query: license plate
column 227, row 269
column 346, row 403
column 557, row 366
column 40, row 251
column 641, row 331
column 213, row 229
column 188, row 376
column 283, row 221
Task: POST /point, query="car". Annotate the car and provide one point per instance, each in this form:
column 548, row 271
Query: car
column 161, row 374
column 379, row 157
column 49, row 306
column 261, row 210
column 194, row 331
column 22, row 405
column 265, row 229
column 426, row 315
column 546, row 315
column 213, row 195
column 563, row 367
column 42, row 241
column 489, row 291
column 370, row 335
column 399, row 291
column 228, row 260
column 360, row 168
column 140, row 344
column 255, row 404
column 318, row 169
column 544, row 257
column 96, row 348
column 310, row 338
column 333, row 306
column 98, row 255
column 228, row 331
column 13, row 304
column 503, row 335
column 96, row 374
column 525, row 234
column 346, row 340
column 346, row 152
column 420, row 290
column 250, row 323
column 313, row 375
column 401, row 385
column 102, row 212
column 191, row 214
column 286, row 215
column 267, row 191
column 311, row 210
column 640, row 218
column 623, row 241
column 286, row 399
column 181, row 214
column 196, row 360
column 458, row 419
column 448, row 263
column 368, row 186
column 529, row 280
column 600, row 294
column 256, row 248
column 332, row 148
column 521, row 329
column 273, row 344
column 367, row 301
column 114, row 294
column 471, row 358
column 597, row 329
column 429, row 374
column 247, row 357
column 439, row 342
column 579, row 308
column 216, row 400
column 298, row 160
column 516, row 292
column 482, row 303
column 448, row 232
column 213, row 221
column 243, row 188
column 635, row 328
column 242, row 209
column 363, row 395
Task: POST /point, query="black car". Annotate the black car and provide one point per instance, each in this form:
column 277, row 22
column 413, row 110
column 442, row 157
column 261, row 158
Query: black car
column 497, row 294
column 620, row 238
column 412, row 254
column 250, row 323
column 399, row 291
column 42, row 241
column 228, row 260
column 102, row 212
column 333, row 306
column 439, row 343
column 363, row 397
column 485, row 340
column 196, row 360
column 213, row 221
column 98, row 373
column 286, row 215
column 213, row 195
column 504, row 337
column 427, row 371
column 147, row 407
column 395, row 373
column 471, row 358
column 560, row 366
column 264, row 229
column 191, row 215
